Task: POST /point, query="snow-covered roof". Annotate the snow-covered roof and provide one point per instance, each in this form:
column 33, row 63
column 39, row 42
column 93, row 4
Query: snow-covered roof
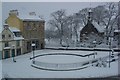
column 13, row 29
column 80, row 28
column 7, row 48
column 98, row 27
column 117, row 31
column 30, row 18
column 18, row 38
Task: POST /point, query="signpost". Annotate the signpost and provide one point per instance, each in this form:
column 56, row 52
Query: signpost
column 13, row 53
column 33, row 47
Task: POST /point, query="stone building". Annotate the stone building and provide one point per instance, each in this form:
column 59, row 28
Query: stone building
column 91, row 31
column 11, row 42
column 31, row 27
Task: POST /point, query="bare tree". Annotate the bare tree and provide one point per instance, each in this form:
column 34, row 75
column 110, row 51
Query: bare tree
column 76, row 22
column 58, row 21
column 106, row 15
column 99, row 13
column 83, row 15
column 73, row 22
column 110, row 19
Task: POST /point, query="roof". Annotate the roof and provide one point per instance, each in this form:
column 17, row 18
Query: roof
column 13, row 29
column 18, row 38
column 81, row 26
column 30, row 18
column 98, row 27
column 117, row 31
column 7, row 48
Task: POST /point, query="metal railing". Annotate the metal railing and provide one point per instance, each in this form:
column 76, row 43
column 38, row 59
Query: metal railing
column 67, row 66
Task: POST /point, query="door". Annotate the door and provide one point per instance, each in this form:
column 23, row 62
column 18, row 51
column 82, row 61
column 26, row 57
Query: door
column 28, row 46
column 7, row 54
column 19, row 51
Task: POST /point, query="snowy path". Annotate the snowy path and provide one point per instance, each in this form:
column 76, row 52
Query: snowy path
column 22, row 68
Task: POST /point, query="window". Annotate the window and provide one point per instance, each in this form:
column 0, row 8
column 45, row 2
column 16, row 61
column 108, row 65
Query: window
column 6, row 44
column 17, row 34
column 18, row 43
column 3, row 36
column 9, row 36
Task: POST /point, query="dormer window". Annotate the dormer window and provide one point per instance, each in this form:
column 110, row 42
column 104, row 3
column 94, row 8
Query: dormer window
column 17, row 34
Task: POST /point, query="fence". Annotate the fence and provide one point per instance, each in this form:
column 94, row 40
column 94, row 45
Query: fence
column 72, row 66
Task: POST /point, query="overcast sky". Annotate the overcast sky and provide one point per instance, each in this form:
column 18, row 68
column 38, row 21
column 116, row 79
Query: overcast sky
column 45, row 8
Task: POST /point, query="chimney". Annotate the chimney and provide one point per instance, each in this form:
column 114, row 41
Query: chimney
column 32, row 14
column 14, row 12
column 6, row 26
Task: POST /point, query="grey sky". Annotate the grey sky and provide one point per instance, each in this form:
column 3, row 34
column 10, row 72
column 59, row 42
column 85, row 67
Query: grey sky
column 45, row 8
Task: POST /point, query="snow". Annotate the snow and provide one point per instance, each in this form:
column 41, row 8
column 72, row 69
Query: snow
column 7, row 48
column 13, row 29
column 0, row 69
column 30, row 18
column 98, row 27
column 117, row 31
column 18, row 38
column 22, row 68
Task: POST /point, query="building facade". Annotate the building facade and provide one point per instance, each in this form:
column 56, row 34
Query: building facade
column 11, row 42
column 31, row 27
column 91, row 32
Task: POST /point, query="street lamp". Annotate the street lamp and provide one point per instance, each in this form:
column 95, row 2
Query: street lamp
column 13, row 53
column 33, row 47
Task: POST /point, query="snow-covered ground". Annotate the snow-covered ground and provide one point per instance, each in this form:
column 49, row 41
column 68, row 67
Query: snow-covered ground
column 23, row 69
column 54, row 43
column 0, row 69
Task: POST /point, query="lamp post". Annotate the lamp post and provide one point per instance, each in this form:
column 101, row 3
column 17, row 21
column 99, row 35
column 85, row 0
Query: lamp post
column 33, row 47
column 13, row 53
